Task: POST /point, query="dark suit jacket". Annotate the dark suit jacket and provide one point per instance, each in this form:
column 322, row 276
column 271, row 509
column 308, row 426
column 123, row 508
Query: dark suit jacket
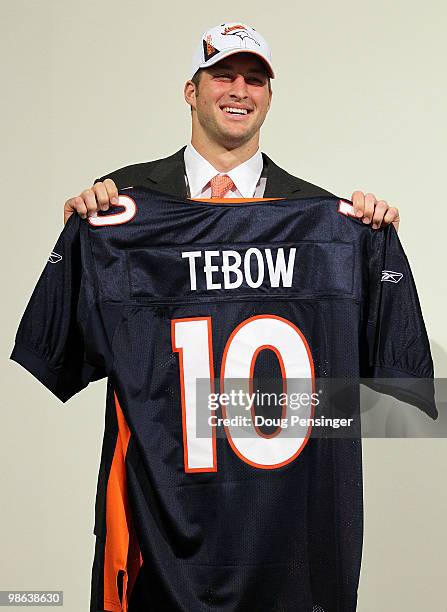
column 168, row 176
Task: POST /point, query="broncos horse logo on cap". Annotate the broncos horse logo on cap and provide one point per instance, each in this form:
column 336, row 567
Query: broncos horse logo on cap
column 241, row 31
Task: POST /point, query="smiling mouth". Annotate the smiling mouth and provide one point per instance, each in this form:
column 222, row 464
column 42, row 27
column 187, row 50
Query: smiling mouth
column 235, row 112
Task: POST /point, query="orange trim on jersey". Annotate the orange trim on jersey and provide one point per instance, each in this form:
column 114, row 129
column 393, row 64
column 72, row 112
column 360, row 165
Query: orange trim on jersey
column 129, row 212
column 346, row 208
column 233, row 200
column 222, row 390
column 251, row 388
column 179, row 350
column 122, row 552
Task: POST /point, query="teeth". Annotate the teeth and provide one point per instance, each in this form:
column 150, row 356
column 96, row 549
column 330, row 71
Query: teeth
column 238, row 111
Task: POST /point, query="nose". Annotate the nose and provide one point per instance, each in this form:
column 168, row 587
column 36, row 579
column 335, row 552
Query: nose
column 239, row 87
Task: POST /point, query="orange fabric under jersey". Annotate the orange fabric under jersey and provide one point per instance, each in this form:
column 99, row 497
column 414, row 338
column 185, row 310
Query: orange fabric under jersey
column 233, row 200
column 122, row 552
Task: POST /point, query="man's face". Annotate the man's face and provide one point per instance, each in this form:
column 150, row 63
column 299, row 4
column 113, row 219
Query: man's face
column 232, row 100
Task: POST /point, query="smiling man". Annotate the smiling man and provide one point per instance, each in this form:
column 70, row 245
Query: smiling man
column 230, row 95
column 169, row 292
column 229, row 103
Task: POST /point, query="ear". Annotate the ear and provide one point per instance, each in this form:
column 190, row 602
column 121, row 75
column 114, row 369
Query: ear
column 189, row 92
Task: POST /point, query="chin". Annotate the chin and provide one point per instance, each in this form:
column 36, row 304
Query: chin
column 234, row 142
column 237, row 135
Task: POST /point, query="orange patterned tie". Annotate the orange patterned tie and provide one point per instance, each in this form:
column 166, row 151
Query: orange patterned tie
column 220, row 185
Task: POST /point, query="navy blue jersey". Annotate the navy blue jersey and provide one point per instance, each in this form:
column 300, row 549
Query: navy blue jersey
column 158, row 293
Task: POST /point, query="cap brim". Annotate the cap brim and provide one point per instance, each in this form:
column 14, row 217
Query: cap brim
column 226, row 52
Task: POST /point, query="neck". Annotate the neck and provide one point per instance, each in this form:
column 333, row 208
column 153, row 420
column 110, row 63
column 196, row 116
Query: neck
column 222, row 158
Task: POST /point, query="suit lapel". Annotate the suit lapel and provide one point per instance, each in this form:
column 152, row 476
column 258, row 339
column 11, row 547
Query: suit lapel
column 281, row 184
column 169, row 177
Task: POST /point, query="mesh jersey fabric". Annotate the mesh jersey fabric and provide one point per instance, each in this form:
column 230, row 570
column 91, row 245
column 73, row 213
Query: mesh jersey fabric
column 111, row 303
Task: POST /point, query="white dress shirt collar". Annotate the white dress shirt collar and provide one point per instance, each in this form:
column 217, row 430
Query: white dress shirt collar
column 199, row 172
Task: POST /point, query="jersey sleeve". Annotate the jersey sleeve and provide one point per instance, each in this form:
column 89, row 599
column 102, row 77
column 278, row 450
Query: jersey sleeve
column 396, row 357
column 50, row 340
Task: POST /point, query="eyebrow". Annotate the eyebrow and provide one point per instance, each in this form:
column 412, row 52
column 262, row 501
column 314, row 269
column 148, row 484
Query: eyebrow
column 223, row 66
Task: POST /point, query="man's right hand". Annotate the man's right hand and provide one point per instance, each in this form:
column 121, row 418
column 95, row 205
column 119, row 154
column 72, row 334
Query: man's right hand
column 98, row 197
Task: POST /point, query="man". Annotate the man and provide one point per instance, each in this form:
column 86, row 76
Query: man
column 229, row 95
column 192, row 522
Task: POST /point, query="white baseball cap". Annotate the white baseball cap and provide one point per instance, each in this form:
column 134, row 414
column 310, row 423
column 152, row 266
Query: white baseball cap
column 229, row 38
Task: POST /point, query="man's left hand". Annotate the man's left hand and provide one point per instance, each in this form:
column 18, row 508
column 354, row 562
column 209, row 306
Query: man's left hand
column 377, row 212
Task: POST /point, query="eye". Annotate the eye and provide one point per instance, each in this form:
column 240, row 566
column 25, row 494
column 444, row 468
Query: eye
column 255, row 81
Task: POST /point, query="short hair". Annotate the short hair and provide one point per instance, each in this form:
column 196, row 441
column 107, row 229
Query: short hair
column 196, row 77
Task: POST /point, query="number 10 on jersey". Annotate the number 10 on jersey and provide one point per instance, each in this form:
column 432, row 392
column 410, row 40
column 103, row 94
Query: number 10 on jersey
column 192, row 340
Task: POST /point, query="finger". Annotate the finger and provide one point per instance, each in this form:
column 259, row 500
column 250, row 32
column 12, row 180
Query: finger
column 80, row 207
column 112, row 190
column 102, row 197
column 70, row 205
column 370, row 201
column 379, row 212
column 392, row 216
column 358, row 200
column 88, row 195
column 75, row 205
